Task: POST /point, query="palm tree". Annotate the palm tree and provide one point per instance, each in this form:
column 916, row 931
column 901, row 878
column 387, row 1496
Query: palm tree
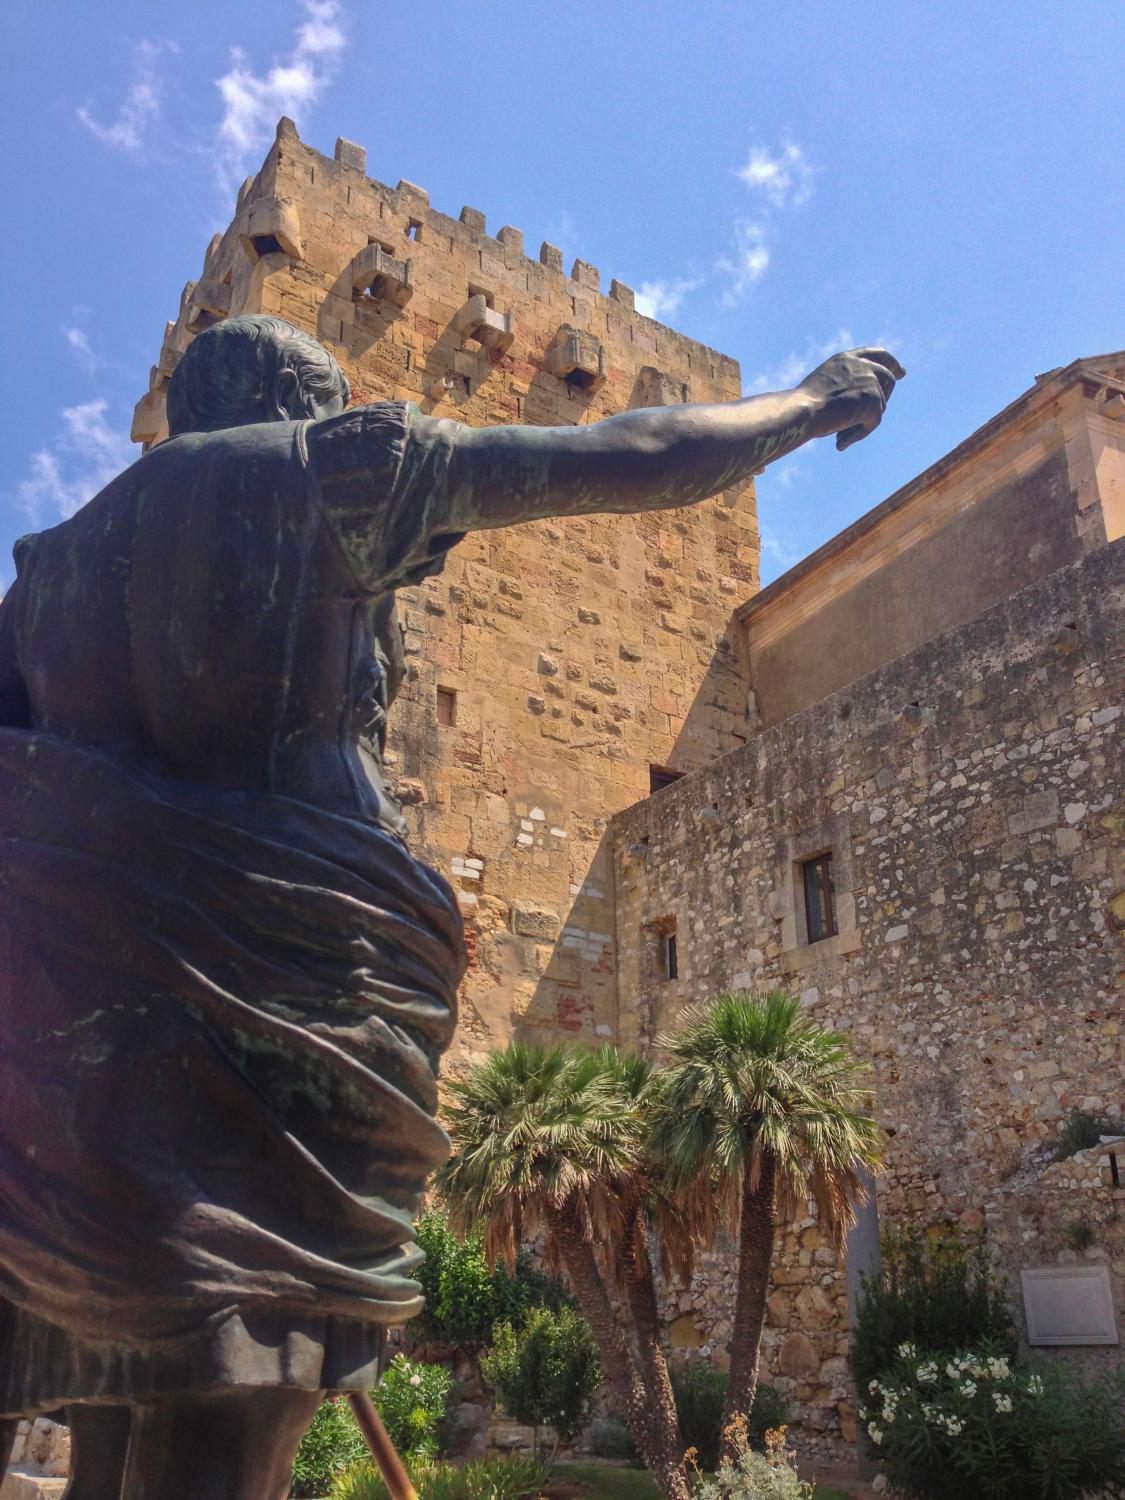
column 763, row 1109
column 550, row 1141
column 649, row 1207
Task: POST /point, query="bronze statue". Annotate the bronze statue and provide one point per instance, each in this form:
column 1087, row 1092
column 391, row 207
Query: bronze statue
column 225, row 984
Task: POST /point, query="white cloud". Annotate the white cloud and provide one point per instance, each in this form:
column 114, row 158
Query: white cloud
column 252, row 103
column 80, row 347
column 139, row 115
column 781, row 179
column 785, row 177
column 749, row 263
column 661, row 299
column 797, row 364
column 85, row 456
column 779, row 553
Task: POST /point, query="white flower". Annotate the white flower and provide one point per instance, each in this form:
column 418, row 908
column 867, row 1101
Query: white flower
column 888, row 1414
column 907, row 1350
column 927, row 1373
column 1035, row 1386
column 874, row 1387
column 969, row 1388
column 415, row 1380
column 998, row 1368
column 953, row 1425
column 1002, row 1403
column 952, row 1370
column 874, row 1433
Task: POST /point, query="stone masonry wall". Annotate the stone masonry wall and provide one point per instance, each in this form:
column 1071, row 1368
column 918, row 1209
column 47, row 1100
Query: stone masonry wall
column 579, row 653
column 971, row 794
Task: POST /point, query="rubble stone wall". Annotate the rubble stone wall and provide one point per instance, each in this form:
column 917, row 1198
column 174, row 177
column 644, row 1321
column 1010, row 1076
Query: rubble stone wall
column 971, row 794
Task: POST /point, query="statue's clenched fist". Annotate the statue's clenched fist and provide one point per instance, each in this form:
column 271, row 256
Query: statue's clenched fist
column 851, row 392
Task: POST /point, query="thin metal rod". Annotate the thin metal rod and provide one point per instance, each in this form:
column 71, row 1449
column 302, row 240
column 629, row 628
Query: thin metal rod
column 383, row 1452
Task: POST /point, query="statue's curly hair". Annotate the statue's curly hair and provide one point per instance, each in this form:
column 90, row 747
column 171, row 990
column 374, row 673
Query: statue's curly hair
column 223, row 375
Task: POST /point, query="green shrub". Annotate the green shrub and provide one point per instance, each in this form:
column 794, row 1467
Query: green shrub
column 414, row 1414
column 938, row 1291
column 514, row 1478
column 973, row 1424
column 414, row 1400
column 1079, row 1131
column 332, row 1443
column 463, row 1297
column 610, row 1438
column 700, row 1392
column 545, row 1371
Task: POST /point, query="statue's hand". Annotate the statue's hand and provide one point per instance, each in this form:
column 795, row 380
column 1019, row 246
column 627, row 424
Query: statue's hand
column 851, row 392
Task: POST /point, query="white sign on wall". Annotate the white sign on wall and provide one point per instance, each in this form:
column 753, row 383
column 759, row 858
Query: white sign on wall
column 1069, row 1305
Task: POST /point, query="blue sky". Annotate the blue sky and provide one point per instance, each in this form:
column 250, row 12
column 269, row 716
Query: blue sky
column 778, row 180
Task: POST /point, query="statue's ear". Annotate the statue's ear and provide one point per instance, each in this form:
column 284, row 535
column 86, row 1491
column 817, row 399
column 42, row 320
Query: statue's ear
column 283, row 400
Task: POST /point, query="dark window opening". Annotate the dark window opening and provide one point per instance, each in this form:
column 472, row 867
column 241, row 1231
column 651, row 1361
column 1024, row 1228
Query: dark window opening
column 671, row 957
column 660, row 776
column 583, row 380
column 480, row 291
column 446, row 707
column 383, row 246
column 265, row 244
column 820, row 897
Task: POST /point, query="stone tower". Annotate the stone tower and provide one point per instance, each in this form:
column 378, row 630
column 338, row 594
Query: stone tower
column 557, row 671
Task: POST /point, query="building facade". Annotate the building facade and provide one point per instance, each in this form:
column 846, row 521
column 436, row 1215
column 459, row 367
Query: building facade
column 923, row 839
column 901, row 789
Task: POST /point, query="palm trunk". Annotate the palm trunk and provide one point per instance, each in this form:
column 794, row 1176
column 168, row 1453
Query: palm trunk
column 755, row 1254
column 640, row 1292
column 619, row 1362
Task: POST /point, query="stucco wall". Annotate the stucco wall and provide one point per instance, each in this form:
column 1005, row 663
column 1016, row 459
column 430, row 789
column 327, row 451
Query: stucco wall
column 1023, row 530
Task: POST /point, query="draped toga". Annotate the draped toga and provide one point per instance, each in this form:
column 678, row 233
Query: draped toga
column 225, row 983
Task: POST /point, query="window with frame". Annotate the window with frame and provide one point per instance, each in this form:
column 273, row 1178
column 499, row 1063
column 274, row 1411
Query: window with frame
column 820, row 897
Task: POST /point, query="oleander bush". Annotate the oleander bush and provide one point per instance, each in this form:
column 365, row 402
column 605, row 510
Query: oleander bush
column 516, row 1477
column 938, row 1291
column 415, row 1401
column 976, row 1426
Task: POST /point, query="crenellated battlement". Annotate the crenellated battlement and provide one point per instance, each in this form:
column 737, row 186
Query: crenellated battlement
column 306, row 217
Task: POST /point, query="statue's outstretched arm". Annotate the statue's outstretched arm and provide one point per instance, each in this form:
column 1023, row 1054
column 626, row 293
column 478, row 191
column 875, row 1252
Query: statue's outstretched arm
column 660, row 457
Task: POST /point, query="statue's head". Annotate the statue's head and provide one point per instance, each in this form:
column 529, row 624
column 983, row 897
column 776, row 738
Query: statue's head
column 253, row 369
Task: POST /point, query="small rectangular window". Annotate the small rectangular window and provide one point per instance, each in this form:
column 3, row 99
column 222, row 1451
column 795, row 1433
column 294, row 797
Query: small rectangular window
column 414, row 229
column 671, row 957
column 660, row 776
column 446, row 707
column 820, row 897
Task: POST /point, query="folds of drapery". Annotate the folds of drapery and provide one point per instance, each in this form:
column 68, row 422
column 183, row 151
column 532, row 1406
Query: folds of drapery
column 220, row 1020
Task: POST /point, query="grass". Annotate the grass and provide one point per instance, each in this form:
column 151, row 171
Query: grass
column 576, row 1481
